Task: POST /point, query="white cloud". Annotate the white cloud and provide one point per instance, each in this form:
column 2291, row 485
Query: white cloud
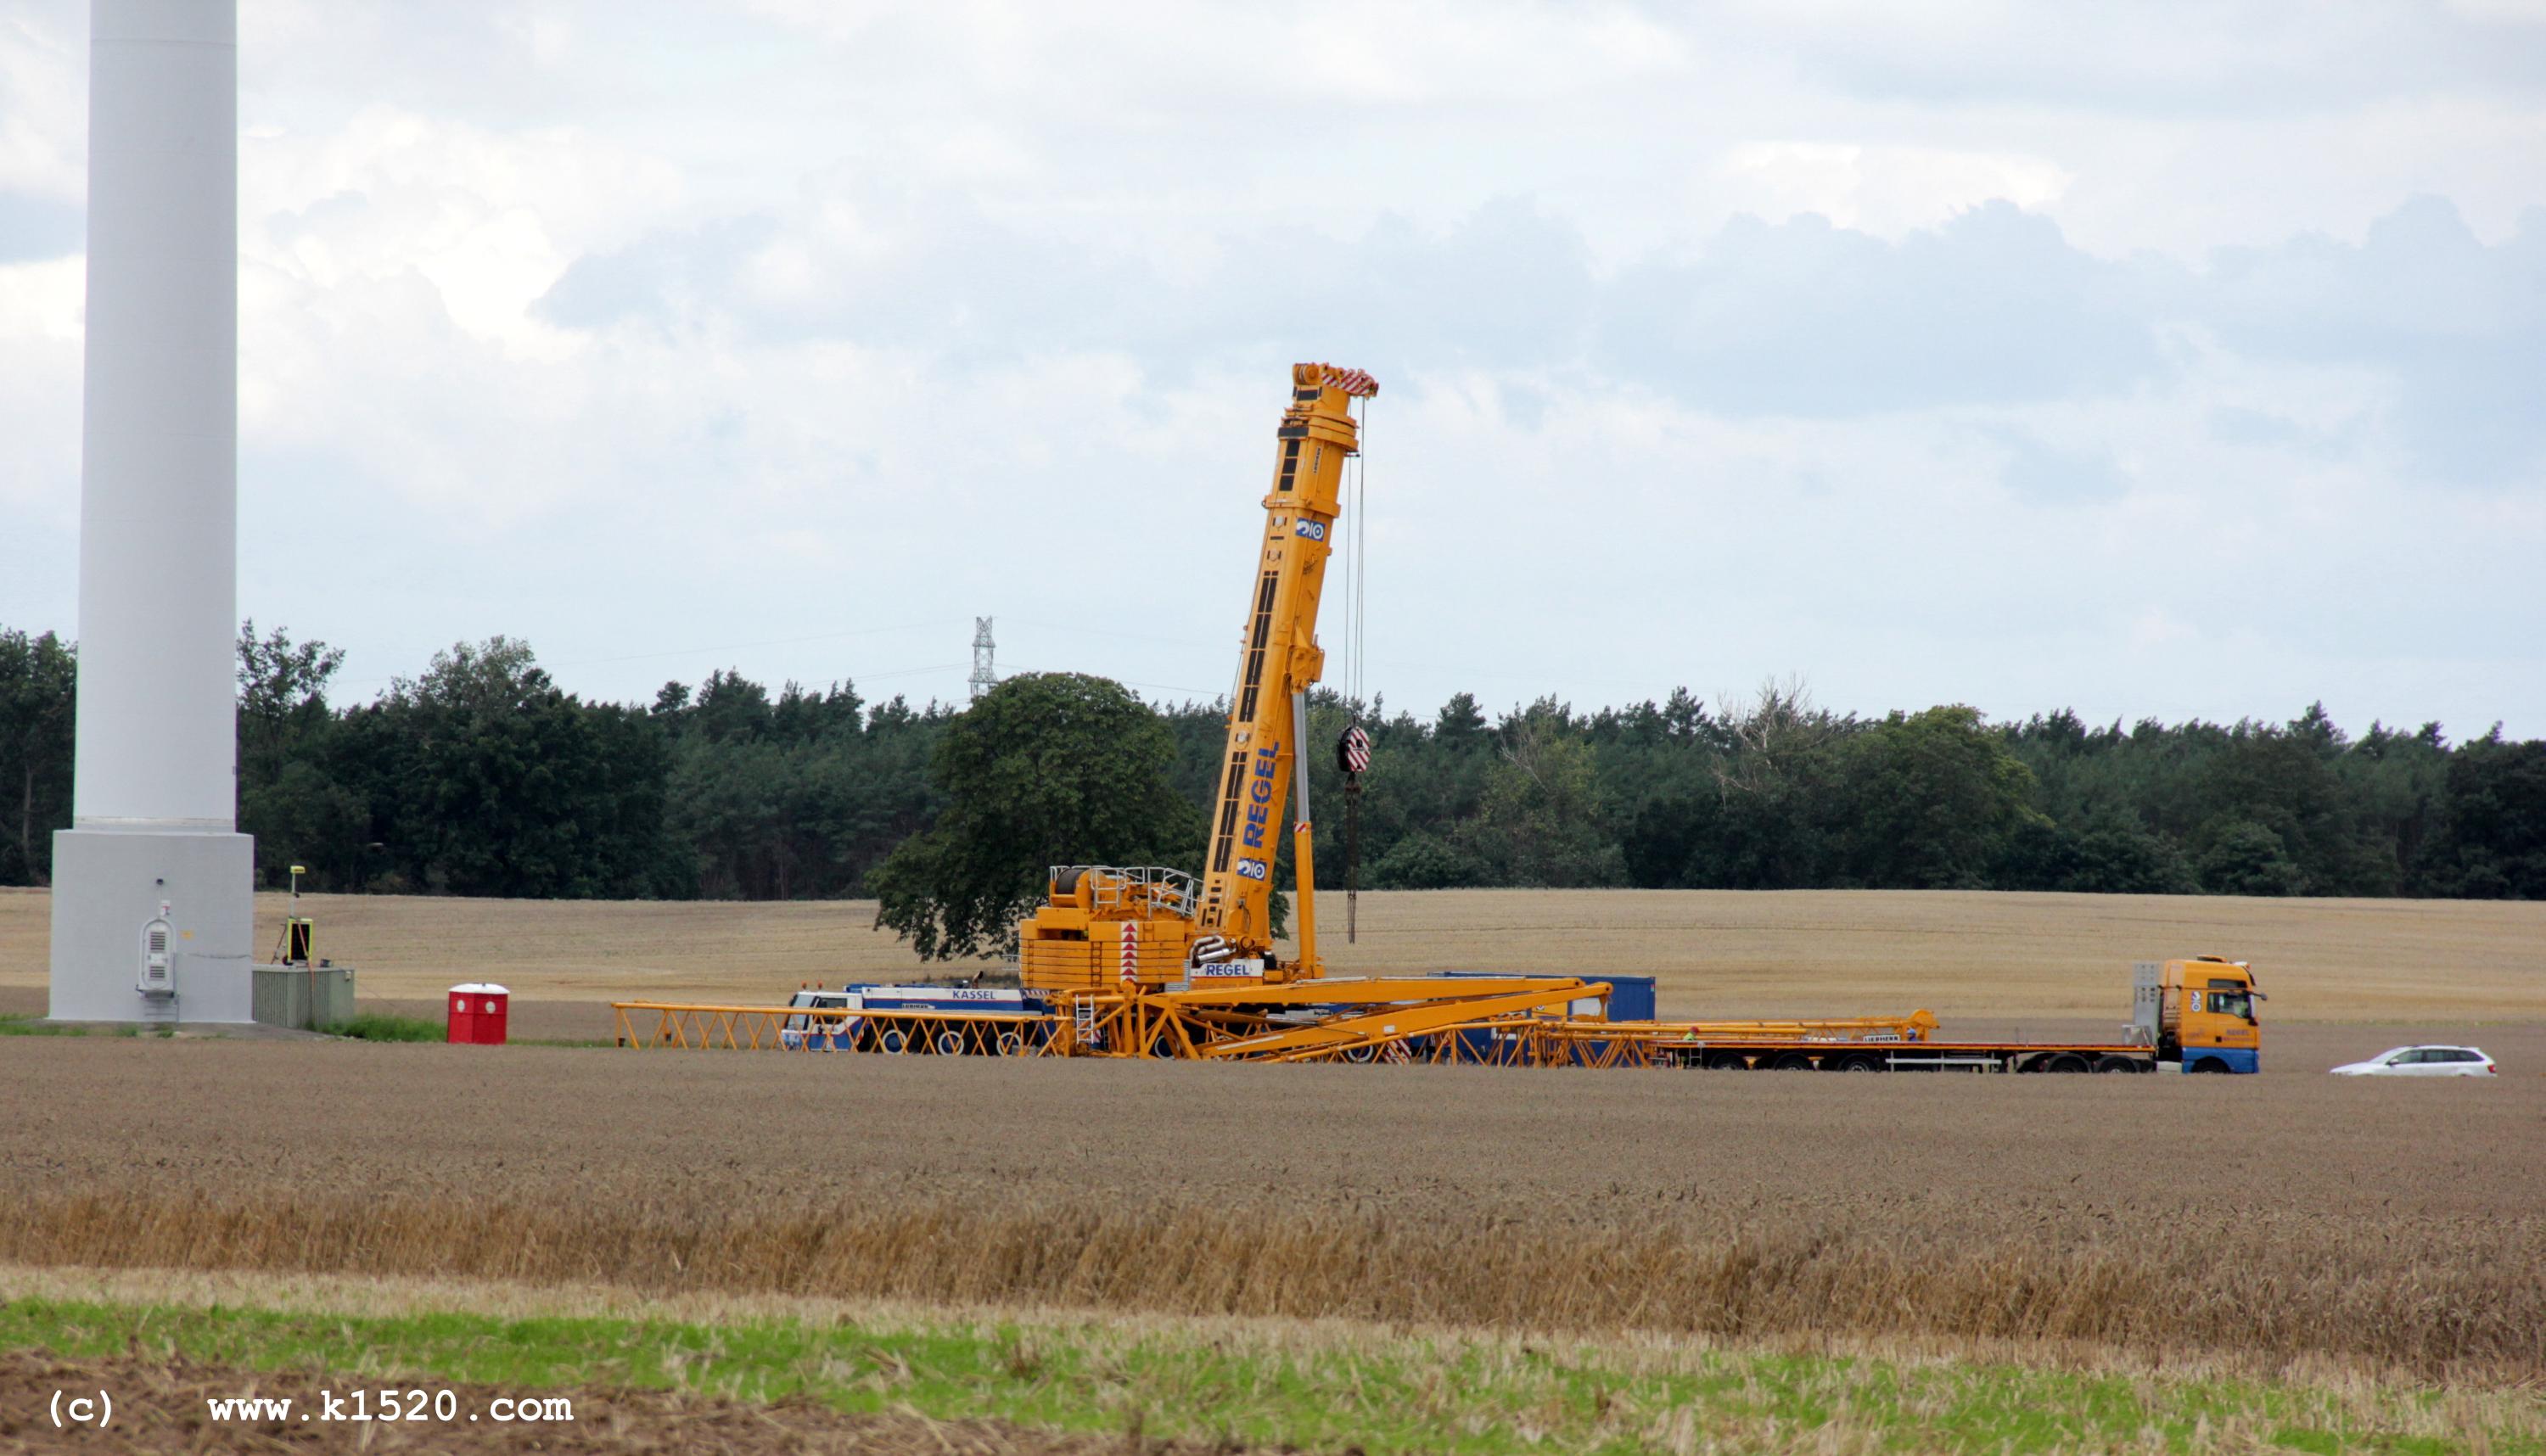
column 40, row 381
column 492, row 220
column 44, row 96
column 638, row 329
column 1883, row 190
column 1143, row 57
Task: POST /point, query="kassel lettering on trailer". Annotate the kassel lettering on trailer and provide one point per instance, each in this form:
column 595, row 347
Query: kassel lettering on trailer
column 1313, row 530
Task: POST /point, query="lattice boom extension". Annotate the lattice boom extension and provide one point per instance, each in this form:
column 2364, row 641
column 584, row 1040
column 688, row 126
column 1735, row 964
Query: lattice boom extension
column 716, row 1028
column 1499, row 1021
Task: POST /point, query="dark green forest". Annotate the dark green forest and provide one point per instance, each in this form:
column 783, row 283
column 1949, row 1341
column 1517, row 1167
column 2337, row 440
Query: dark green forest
column 480, row 776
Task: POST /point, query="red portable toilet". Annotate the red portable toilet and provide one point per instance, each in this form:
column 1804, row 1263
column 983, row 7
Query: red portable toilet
column 479, row 1010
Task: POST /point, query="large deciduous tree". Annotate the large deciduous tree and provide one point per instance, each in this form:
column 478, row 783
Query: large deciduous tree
column 491, row 781
column 1045, row 769
column 288, row 794
column 1929, row 799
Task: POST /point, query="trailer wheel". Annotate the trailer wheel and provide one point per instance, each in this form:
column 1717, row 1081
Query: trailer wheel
column 1857, row 1062
column 1010, row 1044
column 892, row 1040
column 1790, row 1062
column 2116, row 1062
column 2066, row 1061
column 950, row 1043
column 1726, row 1062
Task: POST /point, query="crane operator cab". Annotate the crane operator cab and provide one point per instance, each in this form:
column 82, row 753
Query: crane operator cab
column 2199, row 1014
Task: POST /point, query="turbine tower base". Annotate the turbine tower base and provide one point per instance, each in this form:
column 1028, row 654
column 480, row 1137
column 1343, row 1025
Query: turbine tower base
column 111, row 887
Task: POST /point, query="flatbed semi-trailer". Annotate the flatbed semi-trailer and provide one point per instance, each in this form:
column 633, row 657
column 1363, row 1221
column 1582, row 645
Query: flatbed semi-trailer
column 2195, row 1015
column 1980, row 1056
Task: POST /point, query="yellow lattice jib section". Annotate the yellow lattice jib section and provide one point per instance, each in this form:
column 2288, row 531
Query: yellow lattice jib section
column 690, row 1027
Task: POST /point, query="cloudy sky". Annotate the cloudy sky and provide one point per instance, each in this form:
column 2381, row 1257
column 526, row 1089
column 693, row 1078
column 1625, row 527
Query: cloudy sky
column 2149, row 359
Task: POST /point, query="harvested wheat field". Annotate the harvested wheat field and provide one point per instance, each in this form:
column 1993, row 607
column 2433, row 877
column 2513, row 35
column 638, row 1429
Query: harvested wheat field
column 1719, row 953
column 2375, row 1225
column 735, row 1253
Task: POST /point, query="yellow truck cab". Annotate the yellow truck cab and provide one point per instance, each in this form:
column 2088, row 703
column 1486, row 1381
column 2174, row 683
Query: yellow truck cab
column 2199, row 1014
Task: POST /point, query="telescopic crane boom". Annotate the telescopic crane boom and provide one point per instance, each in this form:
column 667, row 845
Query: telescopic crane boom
column 1279, row 660
column 1144, row 927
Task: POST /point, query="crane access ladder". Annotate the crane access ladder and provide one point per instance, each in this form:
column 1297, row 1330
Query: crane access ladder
column 1082, row 1021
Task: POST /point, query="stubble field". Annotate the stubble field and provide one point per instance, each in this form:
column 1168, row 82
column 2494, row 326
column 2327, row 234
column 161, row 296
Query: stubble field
column 2392, row 1226
column 1962, row 955
column 2383, row 1239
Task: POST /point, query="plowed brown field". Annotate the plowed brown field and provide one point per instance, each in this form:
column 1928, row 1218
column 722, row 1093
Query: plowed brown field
column 2382, row 1223
column 1962, row 955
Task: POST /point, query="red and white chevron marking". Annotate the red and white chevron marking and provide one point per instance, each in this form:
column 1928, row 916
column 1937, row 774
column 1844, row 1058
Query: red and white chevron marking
column 1354, row 381
column 1356, row 750
column 1130, row 950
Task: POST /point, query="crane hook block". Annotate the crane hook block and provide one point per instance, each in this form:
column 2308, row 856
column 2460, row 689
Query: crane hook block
column 1352, row 751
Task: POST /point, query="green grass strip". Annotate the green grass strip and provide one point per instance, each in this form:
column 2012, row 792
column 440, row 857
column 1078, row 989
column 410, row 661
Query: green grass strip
column 1379, row 1393
column 376, row 1026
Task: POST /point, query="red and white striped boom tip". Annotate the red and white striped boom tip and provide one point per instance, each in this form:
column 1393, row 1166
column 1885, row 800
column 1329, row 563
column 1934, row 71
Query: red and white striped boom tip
column 1354, row 381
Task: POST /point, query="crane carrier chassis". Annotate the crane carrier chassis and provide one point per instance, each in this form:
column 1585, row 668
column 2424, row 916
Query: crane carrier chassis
column 2191, row 1016
column 1141, row 961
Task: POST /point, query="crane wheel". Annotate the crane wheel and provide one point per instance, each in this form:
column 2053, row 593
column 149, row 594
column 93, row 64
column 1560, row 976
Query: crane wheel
column 950, row 1043
column 1010, row 1044
column 1857, row 1062
column 1790, row 1062
column 2115, row 1061
column 2066, row 1061
column 892, row 1040
column 1726, row 1062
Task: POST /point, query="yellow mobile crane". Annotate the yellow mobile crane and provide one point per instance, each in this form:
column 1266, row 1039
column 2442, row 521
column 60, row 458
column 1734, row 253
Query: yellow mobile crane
column 1151, row 958
column 1142, row 961
column 1110, row 925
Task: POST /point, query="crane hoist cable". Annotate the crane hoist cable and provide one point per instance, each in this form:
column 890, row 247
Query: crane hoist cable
column 1354, row 752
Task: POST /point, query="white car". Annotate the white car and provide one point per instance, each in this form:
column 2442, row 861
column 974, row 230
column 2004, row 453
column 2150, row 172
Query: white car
column 2423, row 1061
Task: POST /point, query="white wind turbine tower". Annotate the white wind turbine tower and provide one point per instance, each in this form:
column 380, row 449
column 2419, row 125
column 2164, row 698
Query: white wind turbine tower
column 152, row 887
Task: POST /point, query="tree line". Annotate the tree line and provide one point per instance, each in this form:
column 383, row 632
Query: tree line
column 480, row 776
